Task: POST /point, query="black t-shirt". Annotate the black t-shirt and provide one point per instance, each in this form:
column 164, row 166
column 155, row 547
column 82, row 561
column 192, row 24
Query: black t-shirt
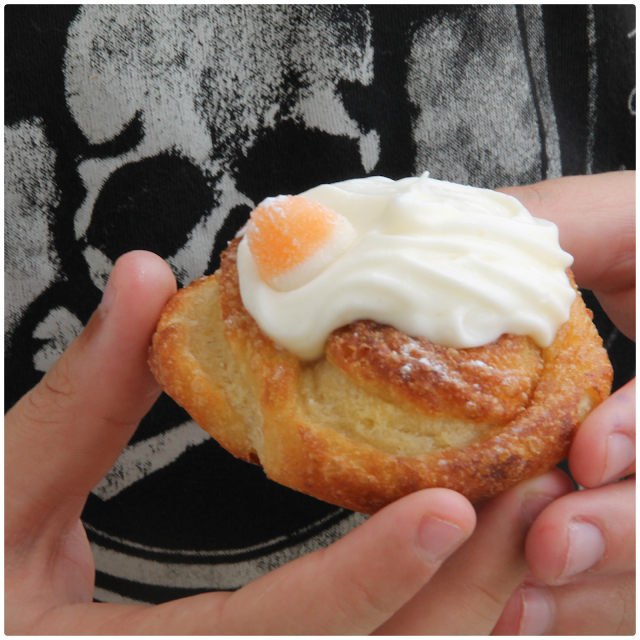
column 159, row 127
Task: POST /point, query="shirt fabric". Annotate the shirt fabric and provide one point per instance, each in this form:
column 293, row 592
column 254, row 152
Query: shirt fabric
column 160, row 127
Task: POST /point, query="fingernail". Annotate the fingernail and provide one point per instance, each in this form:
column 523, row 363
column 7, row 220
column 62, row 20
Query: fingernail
column 438, row 538
column 621, row 452
column 586, row 548
column 108, row 296
column 537, row 611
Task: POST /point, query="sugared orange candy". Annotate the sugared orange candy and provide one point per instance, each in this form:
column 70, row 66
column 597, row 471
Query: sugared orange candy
column 292, row 239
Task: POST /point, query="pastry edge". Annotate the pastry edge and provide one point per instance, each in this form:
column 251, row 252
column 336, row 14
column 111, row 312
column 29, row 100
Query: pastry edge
column 323, row 463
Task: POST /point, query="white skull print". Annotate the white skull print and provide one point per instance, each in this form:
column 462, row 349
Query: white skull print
column 205, row 81
column 198, row 86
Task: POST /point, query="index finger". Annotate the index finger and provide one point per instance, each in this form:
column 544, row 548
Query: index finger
column 595, row 216
column 604, row 448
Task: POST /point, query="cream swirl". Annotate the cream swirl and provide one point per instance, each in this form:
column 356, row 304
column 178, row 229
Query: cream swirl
column 454, row 264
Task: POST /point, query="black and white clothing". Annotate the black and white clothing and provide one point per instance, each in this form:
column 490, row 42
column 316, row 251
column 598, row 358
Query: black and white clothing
column 159, row 127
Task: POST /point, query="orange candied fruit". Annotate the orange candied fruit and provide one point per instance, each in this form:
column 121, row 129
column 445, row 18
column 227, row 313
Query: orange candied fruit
column 285, row 231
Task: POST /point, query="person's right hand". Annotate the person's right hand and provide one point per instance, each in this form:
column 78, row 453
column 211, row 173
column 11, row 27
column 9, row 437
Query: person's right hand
column 66, row 433
column 581, row 549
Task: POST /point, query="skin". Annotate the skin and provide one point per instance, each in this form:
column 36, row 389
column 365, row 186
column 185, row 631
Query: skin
column 596, row 219
column 414, row 567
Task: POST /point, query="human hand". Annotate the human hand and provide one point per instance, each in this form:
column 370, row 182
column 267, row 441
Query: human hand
column 49, row 566
column 581, row 549
column 64, row 435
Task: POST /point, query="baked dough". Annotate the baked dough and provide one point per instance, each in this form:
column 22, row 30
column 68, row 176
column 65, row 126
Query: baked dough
column 381, row 414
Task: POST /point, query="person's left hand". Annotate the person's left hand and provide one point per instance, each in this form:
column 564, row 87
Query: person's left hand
column 581, row 549
column 62, row 437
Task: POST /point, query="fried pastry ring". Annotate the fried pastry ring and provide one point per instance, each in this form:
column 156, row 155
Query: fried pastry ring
column 381, row 414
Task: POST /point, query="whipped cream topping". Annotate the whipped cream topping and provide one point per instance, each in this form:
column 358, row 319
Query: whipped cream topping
column 454, row 264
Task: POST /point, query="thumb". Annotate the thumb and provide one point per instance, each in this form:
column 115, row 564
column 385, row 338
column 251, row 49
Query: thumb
column 349, row 588
column 596, row 220
column 357, row 583
column 66, row 433
column 595, row 216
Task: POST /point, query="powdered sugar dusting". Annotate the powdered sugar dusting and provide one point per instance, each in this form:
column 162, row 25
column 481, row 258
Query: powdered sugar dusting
column 479, row 363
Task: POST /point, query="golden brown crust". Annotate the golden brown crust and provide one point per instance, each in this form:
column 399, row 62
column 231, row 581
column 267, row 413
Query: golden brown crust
column 522, row 405
column 181, row 373
column 491, row 383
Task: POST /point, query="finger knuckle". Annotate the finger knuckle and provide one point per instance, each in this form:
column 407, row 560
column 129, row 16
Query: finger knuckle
column 479, row 602
column 627, row 597
column 56, row 391
column 366, row 600
column 357, row 600
column 534, row 193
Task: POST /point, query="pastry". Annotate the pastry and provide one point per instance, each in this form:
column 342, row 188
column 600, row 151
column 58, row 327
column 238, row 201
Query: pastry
column 359, row 399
